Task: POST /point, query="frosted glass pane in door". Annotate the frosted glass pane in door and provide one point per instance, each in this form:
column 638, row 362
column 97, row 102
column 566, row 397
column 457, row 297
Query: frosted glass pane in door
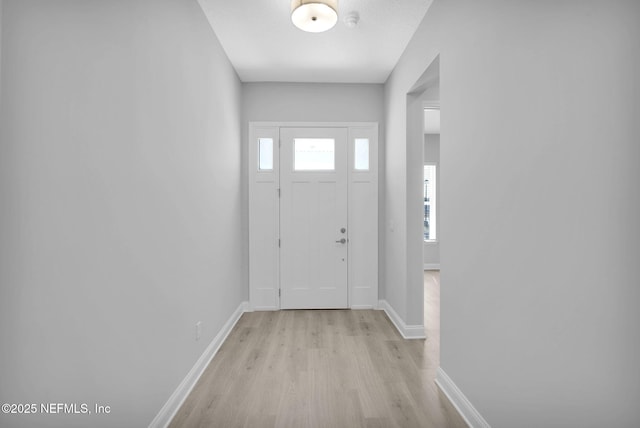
column 314, row 154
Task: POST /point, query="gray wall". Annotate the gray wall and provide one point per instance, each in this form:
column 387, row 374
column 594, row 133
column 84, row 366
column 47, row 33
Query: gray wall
column 1, row 51
column 538, row 306
column 312, row 102
column 120, row 203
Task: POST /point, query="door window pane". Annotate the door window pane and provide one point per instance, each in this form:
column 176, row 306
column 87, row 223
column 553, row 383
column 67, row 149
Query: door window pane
column 314, row 154
column 361, row 154
column 430, row 203
column 265, row 154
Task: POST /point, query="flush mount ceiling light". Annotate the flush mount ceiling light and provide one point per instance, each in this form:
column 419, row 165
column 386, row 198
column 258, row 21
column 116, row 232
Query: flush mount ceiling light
column 314, row 16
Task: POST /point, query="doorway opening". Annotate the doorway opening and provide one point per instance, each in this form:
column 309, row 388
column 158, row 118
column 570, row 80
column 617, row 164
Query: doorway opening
column 431, row 181
column 423, row 100
column 431, row 244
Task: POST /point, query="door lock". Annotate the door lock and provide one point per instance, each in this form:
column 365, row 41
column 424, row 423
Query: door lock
column 343, row 230
column 342, row 241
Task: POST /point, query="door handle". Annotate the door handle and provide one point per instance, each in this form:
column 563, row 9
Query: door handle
column 342, row 241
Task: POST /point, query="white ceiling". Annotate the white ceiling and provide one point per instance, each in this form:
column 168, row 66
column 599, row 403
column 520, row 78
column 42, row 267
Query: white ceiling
column 264, row 46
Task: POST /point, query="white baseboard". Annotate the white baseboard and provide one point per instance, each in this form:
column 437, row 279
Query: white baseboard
column 432, row 266
column 359, row 307
column 469, row 413
column 261, row 308
column 171, row 407
column 407, row 331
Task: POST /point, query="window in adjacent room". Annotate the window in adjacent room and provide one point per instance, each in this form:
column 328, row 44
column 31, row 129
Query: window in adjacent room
column 430, row 225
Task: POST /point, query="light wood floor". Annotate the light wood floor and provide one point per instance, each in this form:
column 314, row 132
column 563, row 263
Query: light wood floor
column 323, row 368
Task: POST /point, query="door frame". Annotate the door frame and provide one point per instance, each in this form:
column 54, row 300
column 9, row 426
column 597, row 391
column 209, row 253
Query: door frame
column 264, row 215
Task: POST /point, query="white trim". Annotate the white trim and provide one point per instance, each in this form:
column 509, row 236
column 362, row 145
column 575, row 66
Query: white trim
column 359, row 307
column 363, row 221
column 173, row 404
column 432, row 266
column 264, row 222
column 259, row 297
column 431, row 105
column 314, row 124
column 262, row 309
column 407, row 331
column 469, row 413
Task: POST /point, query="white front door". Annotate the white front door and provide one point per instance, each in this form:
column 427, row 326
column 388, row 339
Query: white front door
column 313, row 218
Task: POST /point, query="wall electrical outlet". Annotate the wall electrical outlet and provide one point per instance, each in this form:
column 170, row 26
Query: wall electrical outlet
column 198, row 330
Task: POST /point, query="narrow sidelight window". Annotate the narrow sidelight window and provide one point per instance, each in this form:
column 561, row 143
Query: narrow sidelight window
column 265, row 154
